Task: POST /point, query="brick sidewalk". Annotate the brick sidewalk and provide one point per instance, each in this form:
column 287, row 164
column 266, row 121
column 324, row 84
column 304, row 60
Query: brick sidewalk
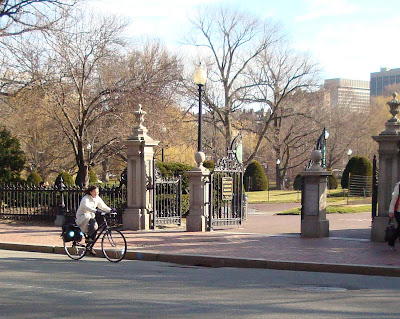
column 263, row 237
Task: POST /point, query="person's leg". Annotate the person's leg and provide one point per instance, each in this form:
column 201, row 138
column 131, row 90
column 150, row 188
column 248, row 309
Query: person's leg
column 397, row 217
column 92, row 228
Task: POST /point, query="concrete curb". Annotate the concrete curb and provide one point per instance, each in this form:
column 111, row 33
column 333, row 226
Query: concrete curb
column 217, row 262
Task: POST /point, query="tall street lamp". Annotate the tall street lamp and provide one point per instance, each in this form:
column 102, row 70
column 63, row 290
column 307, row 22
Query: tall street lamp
column 200, row 78
column 278, row 175
column 349, row 152
column 321, row 145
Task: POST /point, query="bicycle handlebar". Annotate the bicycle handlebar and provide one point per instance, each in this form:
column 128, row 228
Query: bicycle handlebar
column 103, row 213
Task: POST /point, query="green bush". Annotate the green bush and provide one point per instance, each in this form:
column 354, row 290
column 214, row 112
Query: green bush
column 68, row 180
column 12, row 158
column 174, row 169
column 332, row 180
column 297, row 183
column 255, row 178
column 357, row 165
column 185, row 204
column 34, row 179
column 209, row 164
column 92, row 177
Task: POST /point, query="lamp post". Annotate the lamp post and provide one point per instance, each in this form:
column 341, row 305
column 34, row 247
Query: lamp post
column 278, row 175
column 349, row 152
column 199, row 79
column 321, row 145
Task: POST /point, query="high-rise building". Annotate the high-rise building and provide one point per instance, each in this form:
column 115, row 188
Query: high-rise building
column 353, row 94
column 386, row 77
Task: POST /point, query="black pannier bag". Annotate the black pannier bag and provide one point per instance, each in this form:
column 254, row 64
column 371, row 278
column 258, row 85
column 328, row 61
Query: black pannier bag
column 71, row 233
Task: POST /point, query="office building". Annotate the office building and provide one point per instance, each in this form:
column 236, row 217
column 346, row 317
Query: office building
column 352, row 94
column 382, row 79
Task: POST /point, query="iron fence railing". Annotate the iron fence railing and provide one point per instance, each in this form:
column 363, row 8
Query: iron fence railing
column 359, row 189
column 30, row 202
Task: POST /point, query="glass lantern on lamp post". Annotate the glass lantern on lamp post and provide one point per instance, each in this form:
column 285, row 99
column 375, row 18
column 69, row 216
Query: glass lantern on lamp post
column 278, row 174
column 349, row 152
column 199, row 78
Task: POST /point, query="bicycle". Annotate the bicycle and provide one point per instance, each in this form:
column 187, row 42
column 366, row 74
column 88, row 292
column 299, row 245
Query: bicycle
column 113, row 243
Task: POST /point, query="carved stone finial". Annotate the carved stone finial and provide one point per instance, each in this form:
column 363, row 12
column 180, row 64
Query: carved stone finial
column 140, row 113
column 394, row 105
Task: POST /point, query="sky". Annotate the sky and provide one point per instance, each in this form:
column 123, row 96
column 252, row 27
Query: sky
column 348, row 38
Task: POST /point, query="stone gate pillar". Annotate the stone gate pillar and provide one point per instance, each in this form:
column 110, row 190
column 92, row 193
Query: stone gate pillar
column 199, row 196
column 313, row 199
column 140, row 172
column 389, row 169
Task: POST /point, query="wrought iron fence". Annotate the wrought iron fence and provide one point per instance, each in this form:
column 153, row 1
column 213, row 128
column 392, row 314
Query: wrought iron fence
column 167, row 204
column 359, row 189
column 30, row 202
column 227, row 193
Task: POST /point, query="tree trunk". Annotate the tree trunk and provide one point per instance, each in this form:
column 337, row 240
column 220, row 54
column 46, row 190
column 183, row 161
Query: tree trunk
column 82, row 178
column 105, row 177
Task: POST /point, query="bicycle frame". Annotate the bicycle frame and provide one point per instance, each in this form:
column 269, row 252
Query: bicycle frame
column 103, row 227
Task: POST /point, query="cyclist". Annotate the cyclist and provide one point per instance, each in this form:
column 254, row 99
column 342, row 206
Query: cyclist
column 86, row 213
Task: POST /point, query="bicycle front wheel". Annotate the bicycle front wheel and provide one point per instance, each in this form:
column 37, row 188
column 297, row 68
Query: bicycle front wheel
column 113, row 245
column 75, row 250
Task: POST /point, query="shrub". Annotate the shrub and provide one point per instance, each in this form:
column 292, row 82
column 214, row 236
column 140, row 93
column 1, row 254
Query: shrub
column 297, row 183
column 174, row 169
column 12, row 158
column 255, row 178
column 92, row 177
column 209, row 164
column 332, row 181
column 357, row 165
column 68, row 180
column 34, row 179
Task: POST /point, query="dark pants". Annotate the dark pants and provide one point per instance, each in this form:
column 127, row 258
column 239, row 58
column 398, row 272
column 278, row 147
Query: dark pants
column 92, row 228
column 397, row 217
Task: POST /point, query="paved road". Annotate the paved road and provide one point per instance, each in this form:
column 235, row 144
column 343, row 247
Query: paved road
column 36, row 285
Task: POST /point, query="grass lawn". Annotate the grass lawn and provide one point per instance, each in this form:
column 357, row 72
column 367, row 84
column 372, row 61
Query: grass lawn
column 334, row 209
column 277, row 196
column 337, row 203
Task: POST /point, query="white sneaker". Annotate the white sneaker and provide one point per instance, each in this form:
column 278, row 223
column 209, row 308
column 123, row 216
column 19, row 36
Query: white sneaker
column 392, row 248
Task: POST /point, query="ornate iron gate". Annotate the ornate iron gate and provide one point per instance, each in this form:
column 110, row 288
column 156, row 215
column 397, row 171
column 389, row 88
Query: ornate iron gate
column 167, row 196
column 226, row 192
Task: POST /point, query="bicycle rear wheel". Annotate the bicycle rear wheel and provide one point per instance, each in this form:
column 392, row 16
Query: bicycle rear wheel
column 75, row 250
column 113, row 245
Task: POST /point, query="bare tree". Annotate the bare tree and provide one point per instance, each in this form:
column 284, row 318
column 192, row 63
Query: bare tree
column 18, row 20
column 22, row 16
column 83, row 103
column 282, row 74
column 231, row 41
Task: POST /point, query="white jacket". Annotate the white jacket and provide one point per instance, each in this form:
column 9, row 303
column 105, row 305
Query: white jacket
column 87, row 210
column 395, row 195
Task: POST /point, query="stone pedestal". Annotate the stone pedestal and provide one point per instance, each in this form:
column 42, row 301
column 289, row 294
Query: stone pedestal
column 197, row 220
column 389, row 169
column 313, row 199
column 389, row 175
column 140, row 172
